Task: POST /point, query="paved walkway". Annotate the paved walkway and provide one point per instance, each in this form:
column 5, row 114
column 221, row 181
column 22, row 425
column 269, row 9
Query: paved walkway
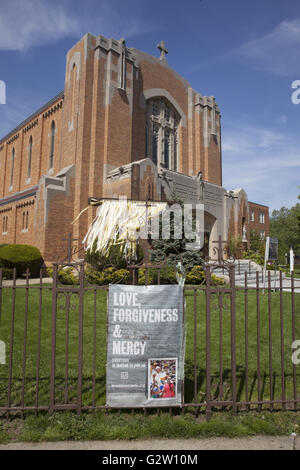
column 218, row 443
column 286, row 285
column 22, row 282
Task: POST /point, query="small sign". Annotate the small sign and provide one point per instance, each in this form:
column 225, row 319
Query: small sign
column 273, row 249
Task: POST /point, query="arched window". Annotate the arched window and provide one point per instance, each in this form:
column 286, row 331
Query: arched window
column 29, row 157
column 162, row 122
column 12, row 168
column 52, row 141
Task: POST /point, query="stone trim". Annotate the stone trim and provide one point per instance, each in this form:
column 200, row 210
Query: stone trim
column 54, row 185
column 53, row 109
column 161, row 92
column 15, row 137
column 25, row 204
column 18, row 196
column 30, row 126
column 116, row 46
column 7, row 209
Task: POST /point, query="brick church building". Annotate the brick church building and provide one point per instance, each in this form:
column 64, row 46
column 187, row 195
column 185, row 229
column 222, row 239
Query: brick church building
column 126, row 124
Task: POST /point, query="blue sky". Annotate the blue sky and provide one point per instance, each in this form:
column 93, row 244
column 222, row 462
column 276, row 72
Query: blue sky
column 245, row 53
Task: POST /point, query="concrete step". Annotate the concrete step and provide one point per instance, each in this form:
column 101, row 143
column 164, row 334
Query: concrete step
column 251, row 276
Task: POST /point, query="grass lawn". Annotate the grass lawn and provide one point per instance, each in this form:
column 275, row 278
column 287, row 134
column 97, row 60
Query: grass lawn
column 127, row 425
column 98, row 426
column 296, row 272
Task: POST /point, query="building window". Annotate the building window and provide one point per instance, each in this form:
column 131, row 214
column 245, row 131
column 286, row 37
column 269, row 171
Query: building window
column 262, row 234
column 25, row 217
column 252, row 216
column 29, row 158
column 52, row 141
column 4, row 225
column 12, row 167
column 262, row 218
column 162, row 122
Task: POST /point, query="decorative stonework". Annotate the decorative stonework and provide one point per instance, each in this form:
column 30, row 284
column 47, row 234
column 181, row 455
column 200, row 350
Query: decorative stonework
column 25, row 204
column 30, row 126
column 120, row 172
column 12, row 139
column 53, row 109
column 211, row 114
column 115, row 46
column 7, row 209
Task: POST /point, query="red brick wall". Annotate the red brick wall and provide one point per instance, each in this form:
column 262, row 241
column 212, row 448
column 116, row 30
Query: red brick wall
column 258, row 209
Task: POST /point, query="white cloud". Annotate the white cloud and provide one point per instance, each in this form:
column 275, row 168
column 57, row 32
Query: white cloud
column 278, row 51
column 27, row 23
column 264, row 162
column 24, row 23
column 248, row 139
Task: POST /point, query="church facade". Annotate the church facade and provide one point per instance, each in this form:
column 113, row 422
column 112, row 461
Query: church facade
column 126, row 124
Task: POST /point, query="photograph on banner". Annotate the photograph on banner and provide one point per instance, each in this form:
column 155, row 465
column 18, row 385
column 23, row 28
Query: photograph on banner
column 162, row 378
column 145, row 345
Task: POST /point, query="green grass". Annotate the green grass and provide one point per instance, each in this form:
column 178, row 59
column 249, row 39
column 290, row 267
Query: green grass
column 98, row 426
column 286, row 270
column 127, row 425
column 240, row 344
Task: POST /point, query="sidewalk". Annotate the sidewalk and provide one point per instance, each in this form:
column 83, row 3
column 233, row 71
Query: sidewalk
column 217, row 443
column 22, row 282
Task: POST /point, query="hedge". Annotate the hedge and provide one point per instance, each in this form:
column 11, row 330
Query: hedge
column 21, row 257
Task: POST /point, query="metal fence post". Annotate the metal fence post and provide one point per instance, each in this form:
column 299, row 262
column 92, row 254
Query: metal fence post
column 233, row 339
column 80, row 339
column 53, row 340
column 208, row 338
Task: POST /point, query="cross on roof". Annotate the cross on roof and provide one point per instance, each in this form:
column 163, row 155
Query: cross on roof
column 163, row 51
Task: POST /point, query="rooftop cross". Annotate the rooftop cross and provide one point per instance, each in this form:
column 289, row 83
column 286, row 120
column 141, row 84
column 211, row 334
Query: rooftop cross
column 163, row 51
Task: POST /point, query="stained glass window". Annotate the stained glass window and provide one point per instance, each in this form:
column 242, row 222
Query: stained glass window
column 162, row 122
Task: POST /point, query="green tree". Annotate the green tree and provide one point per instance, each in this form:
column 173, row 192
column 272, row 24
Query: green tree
column 284, row 225
column 256, row 243
column 175, row 249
